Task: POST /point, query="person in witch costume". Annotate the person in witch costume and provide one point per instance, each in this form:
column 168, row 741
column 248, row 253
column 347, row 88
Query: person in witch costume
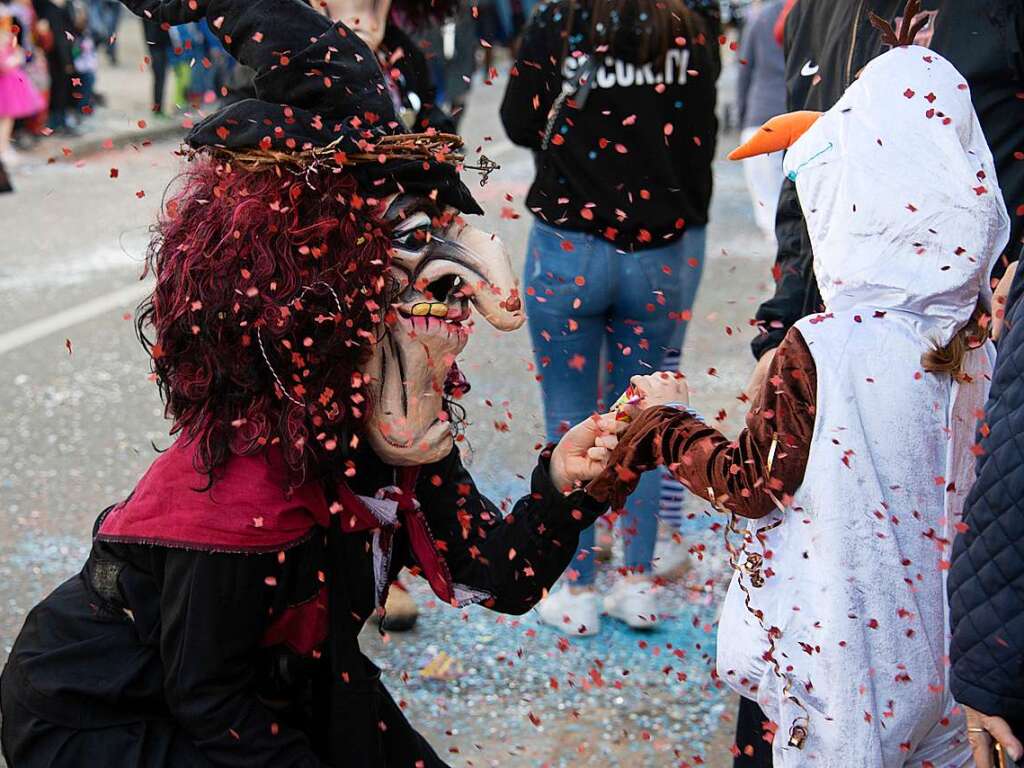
column 314, row 281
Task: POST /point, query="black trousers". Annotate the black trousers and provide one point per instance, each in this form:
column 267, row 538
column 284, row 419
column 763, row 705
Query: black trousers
column 750, row 723
column 159, row 42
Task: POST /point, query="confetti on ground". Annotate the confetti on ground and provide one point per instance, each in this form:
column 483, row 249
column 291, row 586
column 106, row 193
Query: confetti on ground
column 527, row 695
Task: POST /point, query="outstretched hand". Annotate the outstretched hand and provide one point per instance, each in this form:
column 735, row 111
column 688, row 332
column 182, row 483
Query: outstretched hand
column 583, row 452
column 662, row 388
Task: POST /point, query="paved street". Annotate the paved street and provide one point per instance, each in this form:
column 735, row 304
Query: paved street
column 79, row 420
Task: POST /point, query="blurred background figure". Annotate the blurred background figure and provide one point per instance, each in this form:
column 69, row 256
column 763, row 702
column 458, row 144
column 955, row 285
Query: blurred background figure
column 55, row 29
column 495, row 26
column 18, row 96
column 451, row 51
column 212, row 71
column 186, row 44
column 85, row 64
column 158, row 40
column 199, row 63
column 761, row 96
column 104, row 16
column 28, row 129
column 621, row 118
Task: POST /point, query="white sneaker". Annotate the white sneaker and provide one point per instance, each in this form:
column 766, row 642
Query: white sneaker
column 671, row 558
column 571, row 613
column 632, row 601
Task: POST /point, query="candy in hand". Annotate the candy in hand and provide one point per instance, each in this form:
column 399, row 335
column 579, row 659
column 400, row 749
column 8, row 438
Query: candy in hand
column 630, row 397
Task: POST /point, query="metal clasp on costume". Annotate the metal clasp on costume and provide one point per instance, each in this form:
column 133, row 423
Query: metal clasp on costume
column 752, row 567
column 486, row 167
column 797, row 736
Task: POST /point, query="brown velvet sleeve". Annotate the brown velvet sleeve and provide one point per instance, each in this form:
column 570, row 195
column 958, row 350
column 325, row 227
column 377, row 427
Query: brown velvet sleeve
column 765, row 464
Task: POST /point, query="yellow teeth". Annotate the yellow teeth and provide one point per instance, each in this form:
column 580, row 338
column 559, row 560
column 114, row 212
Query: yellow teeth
column 434, row 309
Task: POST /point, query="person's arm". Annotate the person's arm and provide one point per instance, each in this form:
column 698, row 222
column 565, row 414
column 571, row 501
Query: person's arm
column 213, row 614
column 986, row 621
column 516, row 557
column 534, row 82
column 751, row 476
column 1000, row 300
column 796, row 293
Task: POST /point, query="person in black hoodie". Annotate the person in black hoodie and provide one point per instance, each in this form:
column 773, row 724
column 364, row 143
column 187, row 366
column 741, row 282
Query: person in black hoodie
column 617, row 100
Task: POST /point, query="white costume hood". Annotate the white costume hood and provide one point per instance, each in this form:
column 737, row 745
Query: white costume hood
column 900, row 194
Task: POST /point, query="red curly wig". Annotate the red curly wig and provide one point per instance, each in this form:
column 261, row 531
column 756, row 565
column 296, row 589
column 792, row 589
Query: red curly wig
column 270, row 292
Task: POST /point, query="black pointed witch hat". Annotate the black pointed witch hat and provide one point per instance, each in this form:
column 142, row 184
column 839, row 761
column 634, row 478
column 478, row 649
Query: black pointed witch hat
column 320, row 97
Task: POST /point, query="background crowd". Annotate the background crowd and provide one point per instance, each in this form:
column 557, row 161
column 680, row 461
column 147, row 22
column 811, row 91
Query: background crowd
column 53, row 54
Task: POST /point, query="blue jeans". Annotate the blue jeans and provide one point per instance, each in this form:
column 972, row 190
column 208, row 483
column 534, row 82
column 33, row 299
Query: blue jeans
column 597, row 318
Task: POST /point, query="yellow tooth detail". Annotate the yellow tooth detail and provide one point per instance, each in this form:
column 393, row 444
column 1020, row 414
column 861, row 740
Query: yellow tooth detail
column 439, row 310
column 421, row 310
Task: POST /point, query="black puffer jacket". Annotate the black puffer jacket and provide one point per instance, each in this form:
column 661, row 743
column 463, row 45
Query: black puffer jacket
column 986, row 580
column 827, row 44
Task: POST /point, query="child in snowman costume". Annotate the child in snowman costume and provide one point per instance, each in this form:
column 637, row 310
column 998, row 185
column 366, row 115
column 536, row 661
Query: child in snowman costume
column 858, row 450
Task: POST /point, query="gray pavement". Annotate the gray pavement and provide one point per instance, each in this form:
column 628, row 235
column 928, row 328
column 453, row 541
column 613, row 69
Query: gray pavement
column 79, row 418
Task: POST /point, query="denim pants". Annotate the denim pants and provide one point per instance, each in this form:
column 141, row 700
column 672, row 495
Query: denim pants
column 598, row 317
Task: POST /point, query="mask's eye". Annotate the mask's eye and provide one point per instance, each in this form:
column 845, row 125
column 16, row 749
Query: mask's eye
column 413, row 240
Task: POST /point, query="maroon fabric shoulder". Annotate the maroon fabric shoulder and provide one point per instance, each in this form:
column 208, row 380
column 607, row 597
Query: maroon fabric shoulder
column 245, row 510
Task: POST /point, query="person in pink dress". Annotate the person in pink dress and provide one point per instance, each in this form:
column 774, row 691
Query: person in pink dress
column 18, row 96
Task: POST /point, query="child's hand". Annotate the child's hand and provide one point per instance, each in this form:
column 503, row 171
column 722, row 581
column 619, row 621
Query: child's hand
column 999, row 301
column 583, row 453
column 661, row 389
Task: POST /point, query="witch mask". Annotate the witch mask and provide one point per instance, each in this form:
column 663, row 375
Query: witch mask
column 442, row 269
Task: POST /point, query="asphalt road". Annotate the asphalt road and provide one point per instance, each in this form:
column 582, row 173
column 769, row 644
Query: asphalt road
column 79, row 417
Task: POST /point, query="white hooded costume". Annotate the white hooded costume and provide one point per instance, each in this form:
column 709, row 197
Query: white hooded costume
column 906, row 220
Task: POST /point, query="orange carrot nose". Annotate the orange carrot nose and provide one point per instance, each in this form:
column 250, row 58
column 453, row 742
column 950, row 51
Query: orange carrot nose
column 780, row 132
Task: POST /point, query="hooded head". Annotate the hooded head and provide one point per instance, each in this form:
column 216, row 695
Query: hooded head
column 900, row 195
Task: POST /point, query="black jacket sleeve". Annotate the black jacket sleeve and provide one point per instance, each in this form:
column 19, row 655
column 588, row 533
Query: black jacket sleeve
column 796, row 293
column 513, row 558
column 534, row 82
column 213, row 613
